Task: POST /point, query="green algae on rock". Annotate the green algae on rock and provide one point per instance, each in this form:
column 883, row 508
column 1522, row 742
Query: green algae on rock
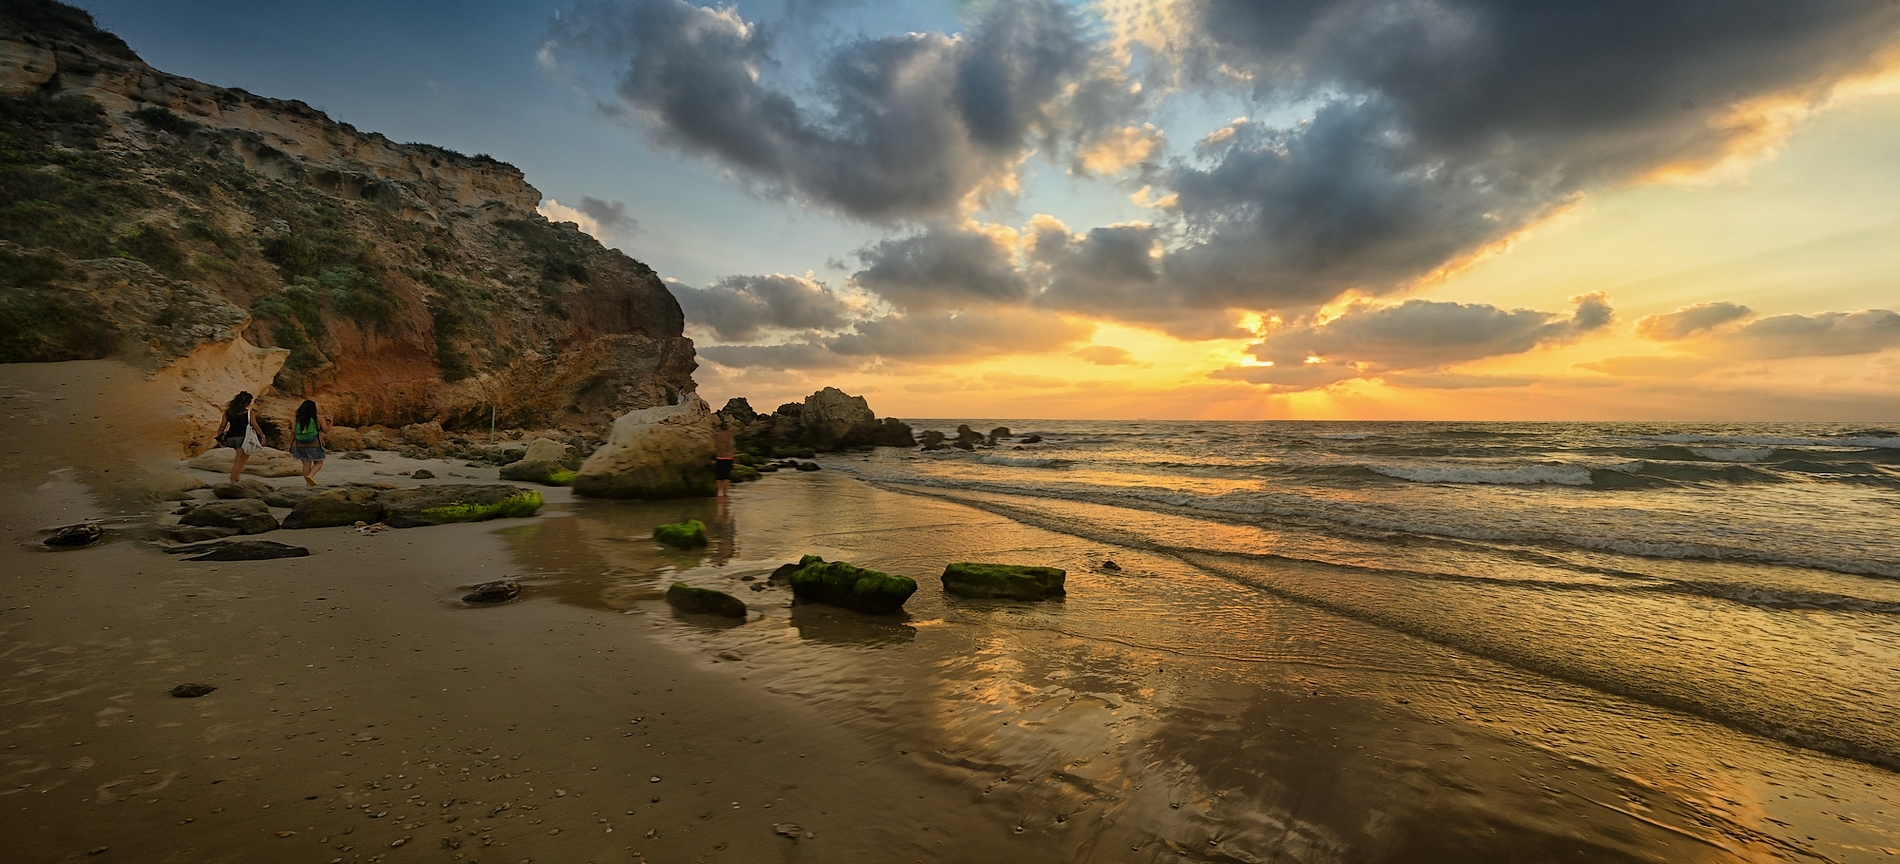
column 1003, row 581
column 684, row 535
column 840, row 584
column 538, row 471
column 441, row 505
column 704, row 601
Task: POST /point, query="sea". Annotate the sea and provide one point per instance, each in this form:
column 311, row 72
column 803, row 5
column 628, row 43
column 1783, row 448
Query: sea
column 1337, row 641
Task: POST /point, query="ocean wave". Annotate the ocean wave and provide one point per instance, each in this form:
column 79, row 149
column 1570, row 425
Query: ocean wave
column 1346, row 436
column 1880, row 442
column 1503, row 475
column 1023, row 461
column 1733, row 454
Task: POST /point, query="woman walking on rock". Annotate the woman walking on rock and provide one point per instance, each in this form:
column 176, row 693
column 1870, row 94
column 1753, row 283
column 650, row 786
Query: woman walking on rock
column 308, row 436
column 240, row 428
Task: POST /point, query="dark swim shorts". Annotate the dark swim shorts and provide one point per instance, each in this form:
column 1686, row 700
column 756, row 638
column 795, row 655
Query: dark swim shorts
column 722, row 469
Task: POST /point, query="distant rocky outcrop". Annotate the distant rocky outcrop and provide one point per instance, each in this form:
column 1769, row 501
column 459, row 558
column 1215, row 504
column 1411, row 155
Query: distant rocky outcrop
column 232, row 241
column 828, row 420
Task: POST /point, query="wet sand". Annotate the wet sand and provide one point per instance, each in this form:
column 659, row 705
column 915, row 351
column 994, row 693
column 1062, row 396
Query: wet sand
column 1161, row 713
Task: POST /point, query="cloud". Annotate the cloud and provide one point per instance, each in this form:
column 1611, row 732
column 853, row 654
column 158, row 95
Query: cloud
column 1106, row 355
column 791, row 355
column 1689, row 320
column 1732, row 330
column 1426, row 334
column 739, row 308
column 965, row 335
column 1452, row 381
column 905, row 127
column 1828, row 334
column 555, row 211
column 1018, row 379
column 611, row 215
column 942, row 268
column 1289, row 377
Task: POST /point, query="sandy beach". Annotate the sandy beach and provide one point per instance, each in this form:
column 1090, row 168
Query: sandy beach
column 364, row 713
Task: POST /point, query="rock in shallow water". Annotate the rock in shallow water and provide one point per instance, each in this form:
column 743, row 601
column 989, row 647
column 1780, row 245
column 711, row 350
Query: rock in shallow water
column 441, row 505
column 840, row 584
column 682, row 535
column 249, row 550
column 192, row 691
column 75, row 536
column 656, row 453
column 704, row 601
column 331, row 508
column 1003, row 581
column 498, row 591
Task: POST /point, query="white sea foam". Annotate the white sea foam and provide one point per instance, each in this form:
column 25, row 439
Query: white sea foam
column 1505, row 475
column 1778, row 441
column 1733, row 454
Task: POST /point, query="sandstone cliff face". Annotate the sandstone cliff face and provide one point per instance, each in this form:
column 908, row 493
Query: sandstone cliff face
column 148, row 216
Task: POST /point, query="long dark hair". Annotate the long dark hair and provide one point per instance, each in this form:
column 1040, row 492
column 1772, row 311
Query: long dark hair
column 238, row 403
column 306, row 413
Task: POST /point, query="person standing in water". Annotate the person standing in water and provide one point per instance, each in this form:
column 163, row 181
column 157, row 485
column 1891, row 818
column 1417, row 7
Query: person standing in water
column 307, row 438
column 723, row 453
column 238, row 418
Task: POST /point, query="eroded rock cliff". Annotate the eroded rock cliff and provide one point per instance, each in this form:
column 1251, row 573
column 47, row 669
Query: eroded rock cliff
column 166, row 220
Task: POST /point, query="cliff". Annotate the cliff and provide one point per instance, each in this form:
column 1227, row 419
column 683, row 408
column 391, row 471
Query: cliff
column 221, row 238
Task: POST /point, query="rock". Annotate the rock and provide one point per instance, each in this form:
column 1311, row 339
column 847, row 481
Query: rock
column 289, row 496
column 356, row 454
column 441, row 505
column 192, row 691
column 656, row 453
column 422, row 474
column 833, row 419
column 783, row 573
column 704, row 601
column 787, row 829
column 744, row 474
column 428, row 434
column 967, row 438
column 498, row 591
column 332, row 508
column 246, row 516
column 892, row 432
column 543, row 472
column 545, row 450
column 249, row 550
column 75, row 536
column 1033, row 439
column 195, row 533
column 343, row 438
column 268, row 463
column 1003, row 581
column 808, row 466
column 381, row 438
column 683, row 535
column 739, row 411
column 998, row 432
column 857, row 589
column 247, row 489
column 1111, row 565
column 932, row 440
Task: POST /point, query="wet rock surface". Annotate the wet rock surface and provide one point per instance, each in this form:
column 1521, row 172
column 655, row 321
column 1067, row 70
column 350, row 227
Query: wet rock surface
column 498, row 591
column 839, row 584
column 195, row 533
column 1003, row 581
column 245, row 516
column 192, row 691
column 460, row 502
column 75, row 536
column 689, row 534
column 247, row 550
column 704, row 601
column 332, row 508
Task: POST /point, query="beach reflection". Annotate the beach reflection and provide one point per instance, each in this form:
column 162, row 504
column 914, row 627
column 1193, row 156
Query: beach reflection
column 1164, row 714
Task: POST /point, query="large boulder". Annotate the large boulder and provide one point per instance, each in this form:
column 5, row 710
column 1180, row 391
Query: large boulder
column 331, row 508
column 839, row 584
column 892, row 432
column 424, row 435
column 341, row 438
column 833, row 419
column 1003, row 581
column 739, row 411
column 245, row 515
column 660, row 452
column 704, row 601
column 549, row 463
column 455, row 502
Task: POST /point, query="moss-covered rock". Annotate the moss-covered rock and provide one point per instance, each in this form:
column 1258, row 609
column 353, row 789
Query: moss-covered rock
column 745, row 474
column 704, row 601
column 839, row 584
column 1003, row 581
column 334, row 507
column 441, row 505
column 689, row 534
column 538, row 471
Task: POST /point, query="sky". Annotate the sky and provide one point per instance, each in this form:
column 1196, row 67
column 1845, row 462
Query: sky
column 1206, row 209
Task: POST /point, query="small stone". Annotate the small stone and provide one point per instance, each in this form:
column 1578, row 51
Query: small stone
column 654, row 779
column 498, row 591
column 191, row 691
column 75, row 536
column 422, row 474
column 787, row 829
column 1111, row 565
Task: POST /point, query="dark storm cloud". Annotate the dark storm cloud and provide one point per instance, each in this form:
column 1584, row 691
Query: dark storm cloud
column 942, row 268
column 738, row 308
column 1828, row 334
column 1449, row 124
column 968, row 335
column 795, row 355
column 611, row 215
column 902, row 127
